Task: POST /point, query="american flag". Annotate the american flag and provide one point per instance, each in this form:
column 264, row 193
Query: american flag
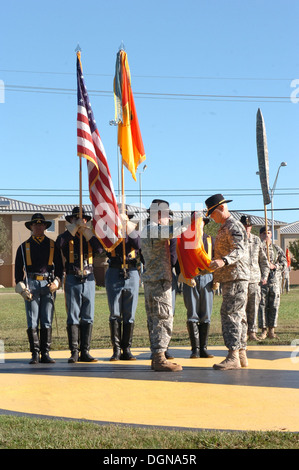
column 106, row 220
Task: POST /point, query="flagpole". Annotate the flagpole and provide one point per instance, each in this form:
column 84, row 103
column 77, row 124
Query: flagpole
column 78, row 53
column 123, row 212
column 266, row 226
column 80, row 214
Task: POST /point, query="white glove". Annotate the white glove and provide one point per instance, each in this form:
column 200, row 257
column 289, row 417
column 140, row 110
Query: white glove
column 128, row 226
column 23, row 291
column 189, row 282
column 86, row 232
column 72, row 228
column 54, row 285
column 123, row 217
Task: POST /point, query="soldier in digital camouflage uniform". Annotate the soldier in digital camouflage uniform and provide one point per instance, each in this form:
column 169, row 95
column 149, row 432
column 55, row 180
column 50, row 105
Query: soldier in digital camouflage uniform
column 232, row 271
column 157, row 279
column 259, row 271
column 270, row 292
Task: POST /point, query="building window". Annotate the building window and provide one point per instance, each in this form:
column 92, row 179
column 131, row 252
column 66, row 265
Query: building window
column 52, row 227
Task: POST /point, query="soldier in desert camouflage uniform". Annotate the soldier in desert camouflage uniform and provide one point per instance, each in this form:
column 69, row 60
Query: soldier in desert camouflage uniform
column 270, row 293
column 157, row 279
column 232, row 271
column 259, row 271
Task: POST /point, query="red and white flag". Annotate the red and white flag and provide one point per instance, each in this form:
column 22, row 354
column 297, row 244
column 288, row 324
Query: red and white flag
column 106, row 221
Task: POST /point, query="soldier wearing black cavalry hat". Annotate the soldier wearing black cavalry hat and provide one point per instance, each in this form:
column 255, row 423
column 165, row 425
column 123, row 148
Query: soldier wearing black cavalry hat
column 231, row 269
column 122, row 286
column 38, row 272
column 79, row 286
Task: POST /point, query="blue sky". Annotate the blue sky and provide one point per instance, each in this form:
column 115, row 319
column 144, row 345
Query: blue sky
column 200, row 70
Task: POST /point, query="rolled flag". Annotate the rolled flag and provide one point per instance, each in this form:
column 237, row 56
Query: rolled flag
column 191, row 253
column 262, row 155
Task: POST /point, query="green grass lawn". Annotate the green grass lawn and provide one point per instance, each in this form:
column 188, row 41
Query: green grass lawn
column 31, row 433
column 13, row 322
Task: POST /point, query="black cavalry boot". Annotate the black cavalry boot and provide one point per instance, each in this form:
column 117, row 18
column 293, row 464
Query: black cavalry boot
column 33, row 338
column 85, row 339
column 73, row 337
column 193, row 331
column 126, row 342
column 115, row 332
column 204, row 329
column 45, row 345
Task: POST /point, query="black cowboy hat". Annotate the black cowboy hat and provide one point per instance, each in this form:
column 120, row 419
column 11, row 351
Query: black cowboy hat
column 159, row 205
column 246, row 220
column 38, row 219
column 76, row 213
column 215, row 201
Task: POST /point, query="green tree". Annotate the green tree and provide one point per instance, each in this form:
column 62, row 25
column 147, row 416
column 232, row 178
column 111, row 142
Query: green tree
column 294, row 249
column 212, row 228
column 5, row 244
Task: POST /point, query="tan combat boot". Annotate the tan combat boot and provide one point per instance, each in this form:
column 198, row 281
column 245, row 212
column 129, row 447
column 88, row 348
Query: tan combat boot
column 160, row 364
column 272, row 334
column 252, row 336
column 232, row 361
column 243, row 358
column 263, row 334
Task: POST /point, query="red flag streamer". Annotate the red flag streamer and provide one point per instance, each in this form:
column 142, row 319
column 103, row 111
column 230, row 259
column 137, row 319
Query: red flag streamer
column 129, row 135
column 288, row 257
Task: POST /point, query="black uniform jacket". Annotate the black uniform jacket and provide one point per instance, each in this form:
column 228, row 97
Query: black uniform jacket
column 36, row 255
column 70, row 248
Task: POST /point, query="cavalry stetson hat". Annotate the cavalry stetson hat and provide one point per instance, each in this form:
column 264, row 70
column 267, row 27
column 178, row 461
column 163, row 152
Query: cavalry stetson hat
column 38, row 219
column 215, row 201
column 76, row 213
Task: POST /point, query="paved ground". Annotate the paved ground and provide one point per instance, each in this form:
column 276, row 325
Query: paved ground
column 263, row 397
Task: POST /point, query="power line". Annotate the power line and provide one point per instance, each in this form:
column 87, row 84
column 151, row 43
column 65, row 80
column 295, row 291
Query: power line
column 9, row 192
column 184, row 77
column 173, row 96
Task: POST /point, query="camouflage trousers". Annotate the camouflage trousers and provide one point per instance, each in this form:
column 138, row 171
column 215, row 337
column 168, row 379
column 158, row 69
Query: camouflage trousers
column 158, row 306
column 233, row 314
column 269, row 306
column 252, row 307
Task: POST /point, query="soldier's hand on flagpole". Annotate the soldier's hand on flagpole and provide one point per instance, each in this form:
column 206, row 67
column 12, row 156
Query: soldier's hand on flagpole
column 86, row 232
column 128, row 226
